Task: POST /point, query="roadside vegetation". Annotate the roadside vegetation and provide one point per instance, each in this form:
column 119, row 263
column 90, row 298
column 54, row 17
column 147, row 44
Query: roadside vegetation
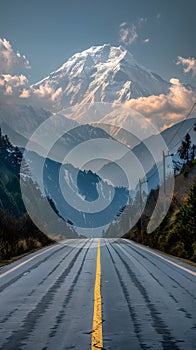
column 18, row 234
column 176, row 234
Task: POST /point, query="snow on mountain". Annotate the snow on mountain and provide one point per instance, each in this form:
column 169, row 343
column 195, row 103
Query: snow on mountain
column 103, row 74
column 99, row 74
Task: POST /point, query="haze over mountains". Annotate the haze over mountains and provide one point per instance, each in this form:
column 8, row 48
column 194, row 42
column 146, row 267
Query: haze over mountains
column 103, row 144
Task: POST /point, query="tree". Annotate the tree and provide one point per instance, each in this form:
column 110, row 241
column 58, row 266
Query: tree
column 177, row 167
column 183, row 233
column 185, row 148
column 193, row 152
column 1, row 143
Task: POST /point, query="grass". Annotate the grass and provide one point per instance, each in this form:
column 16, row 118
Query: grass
column 15, row 258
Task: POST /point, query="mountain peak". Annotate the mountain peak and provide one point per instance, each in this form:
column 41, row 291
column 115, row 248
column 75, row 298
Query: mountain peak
column 104, row 73
column 106, row 49
column 102, row 54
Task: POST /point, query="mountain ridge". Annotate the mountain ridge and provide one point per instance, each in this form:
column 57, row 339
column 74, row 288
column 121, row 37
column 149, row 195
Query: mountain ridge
column 103, row 73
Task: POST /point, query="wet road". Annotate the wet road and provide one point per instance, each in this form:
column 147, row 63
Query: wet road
column 69, row 296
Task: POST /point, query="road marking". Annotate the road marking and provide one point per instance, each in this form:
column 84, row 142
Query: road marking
column 26, row 261
column 97, row 333
column 161, row 257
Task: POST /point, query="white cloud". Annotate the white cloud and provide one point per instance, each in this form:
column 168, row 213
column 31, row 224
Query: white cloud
column 175, row 81
column 12, row 84
column 47, row 91
column 8, row 90
column 44, row 96
column 56, row 94
column 14, row 80
column 17, row 86
column 146, row 40
column 25, row 93
column 128, row 33
column 189, row 63
column 11, row 61
column 165, row 109
column 123, row 24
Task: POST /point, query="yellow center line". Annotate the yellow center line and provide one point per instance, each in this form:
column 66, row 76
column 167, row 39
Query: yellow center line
column 97, row 334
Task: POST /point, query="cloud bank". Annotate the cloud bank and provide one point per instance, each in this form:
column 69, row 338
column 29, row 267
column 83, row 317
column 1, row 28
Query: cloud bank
column 10, row 61
column 165, row 109
column 13, row 85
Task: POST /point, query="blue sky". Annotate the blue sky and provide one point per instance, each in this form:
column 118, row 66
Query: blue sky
column 49, row 32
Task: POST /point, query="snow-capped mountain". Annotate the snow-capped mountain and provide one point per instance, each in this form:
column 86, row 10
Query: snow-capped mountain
column 103, row 74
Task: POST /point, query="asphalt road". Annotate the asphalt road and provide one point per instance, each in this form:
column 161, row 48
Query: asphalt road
column 69, row 296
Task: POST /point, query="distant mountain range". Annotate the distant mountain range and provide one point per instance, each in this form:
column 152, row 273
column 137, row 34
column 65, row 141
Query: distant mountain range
column 81, row 197
column 94, row 84
column 11, row 199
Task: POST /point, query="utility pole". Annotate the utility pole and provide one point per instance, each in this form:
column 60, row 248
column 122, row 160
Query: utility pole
column 164, row 179
column 141, row 182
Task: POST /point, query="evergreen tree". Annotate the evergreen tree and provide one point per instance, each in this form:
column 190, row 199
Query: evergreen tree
column 1, row 141
column 185, row 148
column 184, row 225
column 193, row 152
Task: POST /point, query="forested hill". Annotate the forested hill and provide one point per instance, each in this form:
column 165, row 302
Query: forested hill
column 177, row 233
column 18, row 234
column 10, row 160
